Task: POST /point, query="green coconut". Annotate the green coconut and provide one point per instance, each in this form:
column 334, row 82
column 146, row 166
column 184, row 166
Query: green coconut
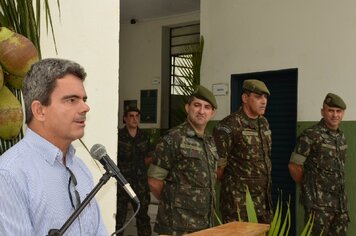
column 17, row 53
column 14, row 81
column 1, row 77
column 11, row 114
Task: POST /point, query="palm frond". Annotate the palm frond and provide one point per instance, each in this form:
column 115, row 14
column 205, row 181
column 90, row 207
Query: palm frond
column 189, row 66
column 23, row 17
column 287, row 221
column 309, row 226
column 185, row 78
column 275, row 218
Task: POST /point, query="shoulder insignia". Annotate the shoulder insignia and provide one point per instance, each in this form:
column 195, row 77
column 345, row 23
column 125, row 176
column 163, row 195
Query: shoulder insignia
column 224, row 129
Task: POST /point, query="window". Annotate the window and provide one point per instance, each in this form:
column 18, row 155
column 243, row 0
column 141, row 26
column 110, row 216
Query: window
column 184, row 42
column 181, row 72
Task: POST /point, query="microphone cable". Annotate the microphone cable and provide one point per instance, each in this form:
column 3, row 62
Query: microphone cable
column 128, row 222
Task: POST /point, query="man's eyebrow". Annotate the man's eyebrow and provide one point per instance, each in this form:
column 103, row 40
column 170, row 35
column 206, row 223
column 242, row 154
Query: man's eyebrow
column 74, row 96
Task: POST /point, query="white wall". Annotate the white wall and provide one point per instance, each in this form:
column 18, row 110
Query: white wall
column 88, row 33
column 140, row 58
column 317, row 37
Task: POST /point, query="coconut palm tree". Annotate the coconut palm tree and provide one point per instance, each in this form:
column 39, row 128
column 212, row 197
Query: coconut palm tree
column 24, row 18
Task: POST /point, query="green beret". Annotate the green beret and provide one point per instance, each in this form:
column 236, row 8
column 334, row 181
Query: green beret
column 206, row 95
column 255, row 86
column 131, row 108
column 333, row 100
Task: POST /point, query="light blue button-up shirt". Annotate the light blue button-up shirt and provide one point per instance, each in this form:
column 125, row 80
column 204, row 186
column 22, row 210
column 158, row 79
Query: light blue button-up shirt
column 34, row 194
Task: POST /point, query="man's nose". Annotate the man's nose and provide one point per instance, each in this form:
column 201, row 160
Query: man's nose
column 86, row 107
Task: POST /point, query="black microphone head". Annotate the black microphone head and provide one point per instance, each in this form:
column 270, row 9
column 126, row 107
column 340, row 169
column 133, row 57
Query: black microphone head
column 98, row 151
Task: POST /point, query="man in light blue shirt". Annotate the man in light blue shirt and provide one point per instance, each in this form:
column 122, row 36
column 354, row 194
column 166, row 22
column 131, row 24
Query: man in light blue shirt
column 42, row 180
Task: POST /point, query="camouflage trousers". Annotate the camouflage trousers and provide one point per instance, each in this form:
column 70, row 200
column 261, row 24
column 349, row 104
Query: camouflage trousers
column 233, row 203
column 142, row 217
column 330, row 223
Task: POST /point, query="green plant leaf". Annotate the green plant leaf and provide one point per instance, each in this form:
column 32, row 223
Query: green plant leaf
column 186, row 77
column 276, row 223
column 289, row 218
column 309, row 225
column 286, row 222
column 218, row 218
column 238, row 213
column 23, row 17
column 251, row 212
column 275, row 218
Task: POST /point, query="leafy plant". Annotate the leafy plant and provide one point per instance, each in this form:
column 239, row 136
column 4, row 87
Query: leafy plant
column 250, row 207
column 276, row 228
column 280, row 224
column 24, row 18
column 186, row 78
column 309, row 226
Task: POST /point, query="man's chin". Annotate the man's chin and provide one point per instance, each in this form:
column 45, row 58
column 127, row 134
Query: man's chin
column 79, row 135
column 201, row 122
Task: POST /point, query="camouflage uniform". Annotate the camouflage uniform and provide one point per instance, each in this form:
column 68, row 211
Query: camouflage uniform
column 322, row 152
column 244, row 144
column 189, row 162
column 132, row 152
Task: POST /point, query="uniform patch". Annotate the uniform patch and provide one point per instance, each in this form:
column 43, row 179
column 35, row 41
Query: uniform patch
column 189, row 146
column 224, row 129
column 249, row 133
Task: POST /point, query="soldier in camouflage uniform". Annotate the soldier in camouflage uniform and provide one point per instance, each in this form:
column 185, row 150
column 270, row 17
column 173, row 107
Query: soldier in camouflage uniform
column 182, row 175
column 317, row 164
column 243, row 140
column 133, row 159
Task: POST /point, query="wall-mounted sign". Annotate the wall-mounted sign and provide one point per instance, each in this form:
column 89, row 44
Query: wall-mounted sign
column 220, row 89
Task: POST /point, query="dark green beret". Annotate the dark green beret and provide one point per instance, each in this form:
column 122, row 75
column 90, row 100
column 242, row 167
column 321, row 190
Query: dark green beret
column 206, row 95
column 131, row 108
column 255, row 86
column 333, row 100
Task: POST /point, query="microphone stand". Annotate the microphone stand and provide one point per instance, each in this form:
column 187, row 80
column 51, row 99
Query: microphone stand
column 59, row 232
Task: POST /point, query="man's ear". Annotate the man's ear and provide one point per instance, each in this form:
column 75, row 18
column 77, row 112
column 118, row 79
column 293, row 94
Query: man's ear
column 38, row 110
column 244, row 97
column 213, row 113
column 186, row 107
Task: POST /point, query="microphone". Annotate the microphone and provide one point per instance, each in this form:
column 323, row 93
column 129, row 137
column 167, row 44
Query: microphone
column 98, row 152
